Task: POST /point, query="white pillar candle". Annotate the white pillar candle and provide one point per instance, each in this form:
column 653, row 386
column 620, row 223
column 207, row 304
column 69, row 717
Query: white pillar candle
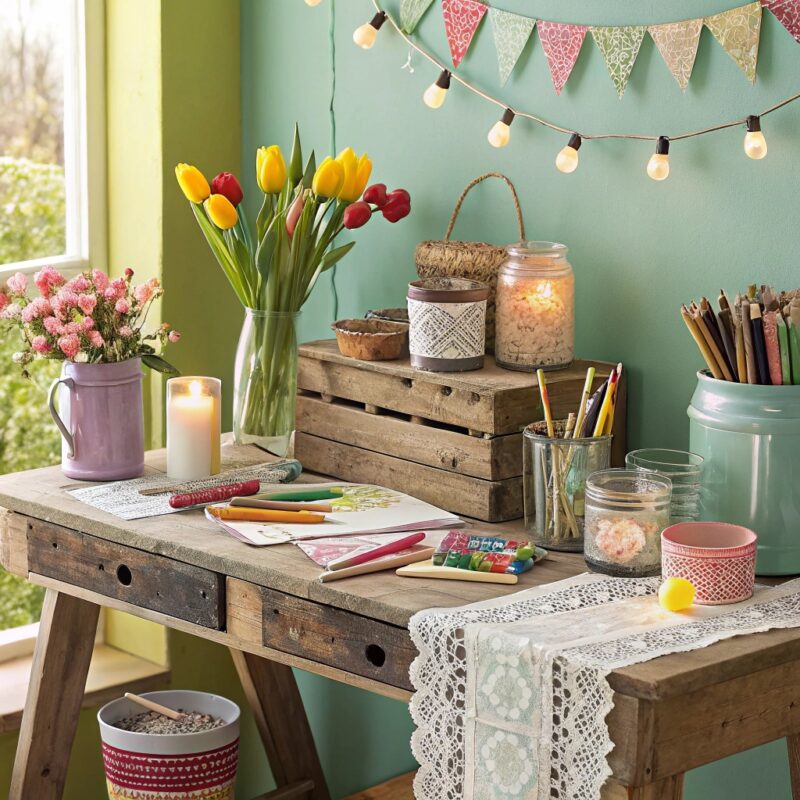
column 193, row 428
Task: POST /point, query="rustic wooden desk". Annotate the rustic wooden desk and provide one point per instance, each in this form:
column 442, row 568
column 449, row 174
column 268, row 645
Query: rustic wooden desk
column 671, row 714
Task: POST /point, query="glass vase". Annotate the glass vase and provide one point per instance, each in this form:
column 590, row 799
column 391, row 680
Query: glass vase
column 265, row 380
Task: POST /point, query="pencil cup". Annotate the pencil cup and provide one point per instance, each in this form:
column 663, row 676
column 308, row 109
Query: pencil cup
column 685, row 470
column 554, row 480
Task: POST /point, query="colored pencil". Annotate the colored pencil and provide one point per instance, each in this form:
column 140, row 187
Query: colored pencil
column 741, row 360
column 240, row 514
column 593, row 409
column 773, row 348
column 749, row 349
column 606, row 405
column 548, row 417
column 708, row 356
column 712, row 345
column 587, row 388
column 783, row 346
column 759, row 345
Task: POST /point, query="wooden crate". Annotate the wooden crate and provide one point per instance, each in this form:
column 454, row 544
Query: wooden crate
column 453, row 439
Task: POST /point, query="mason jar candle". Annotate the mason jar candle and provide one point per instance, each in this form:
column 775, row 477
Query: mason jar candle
column 193, row 427
column 535, row 311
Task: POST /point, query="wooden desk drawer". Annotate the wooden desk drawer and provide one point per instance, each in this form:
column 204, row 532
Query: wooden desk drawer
column 134, row 576
column 337, row 638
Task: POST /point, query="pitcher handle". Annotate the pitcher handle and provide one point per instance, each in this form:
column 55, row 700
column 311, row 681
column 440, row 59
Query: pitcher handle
column 70, row 439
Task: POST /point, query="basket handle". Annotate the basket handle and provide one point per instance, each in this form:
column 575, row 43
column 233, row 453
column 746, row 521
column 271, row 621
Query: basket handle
column 517, row 209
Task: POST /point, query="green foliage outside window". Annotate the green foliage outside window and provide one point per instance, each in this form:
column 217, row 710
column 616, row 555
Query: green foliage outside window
column 32, row 198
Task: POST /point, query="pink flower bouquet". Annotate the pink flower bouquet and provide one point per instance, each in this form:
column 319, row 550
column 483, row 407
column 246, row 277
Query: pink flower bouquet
column 88, row 319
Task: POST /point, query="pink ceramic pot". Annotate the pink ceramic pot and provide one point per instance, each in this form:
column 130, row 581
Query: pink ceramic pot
column 718, row 558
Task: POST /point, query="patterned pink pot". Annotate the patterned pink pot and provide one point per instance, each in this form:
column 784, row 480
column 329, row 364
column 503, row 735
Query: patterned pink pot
column 717, row 557
column 186, row 766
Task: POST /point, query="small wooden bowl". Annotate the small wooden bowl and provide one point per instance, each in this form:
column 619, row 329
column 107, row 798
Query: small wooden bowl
column 371, row 339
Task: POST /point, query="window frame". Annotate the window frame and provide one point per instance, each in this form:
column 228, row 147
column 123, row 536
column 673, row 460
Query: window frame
column 84, row 147
column 86, row 189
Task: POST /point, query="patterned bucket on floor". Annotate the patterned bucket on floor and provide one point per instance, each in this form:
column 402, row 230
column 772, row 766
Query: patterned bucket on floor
column 184, row 766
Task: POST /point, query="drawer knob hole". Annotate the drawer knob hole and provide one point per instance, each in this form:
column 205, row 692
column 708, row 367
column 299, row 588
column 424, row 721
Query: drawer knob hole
column 124, row 575
column 376, row 655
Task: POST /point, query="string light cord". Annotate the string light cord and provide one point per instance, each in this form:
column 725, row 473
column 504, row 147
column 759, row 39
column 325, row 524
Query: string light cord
column 558, row 128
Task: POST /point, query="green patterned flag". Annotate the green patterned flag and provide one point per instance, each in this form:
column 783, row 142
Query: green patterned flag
column 619, row 47
column 411, row 12
column 738, row 31
column 511, row 34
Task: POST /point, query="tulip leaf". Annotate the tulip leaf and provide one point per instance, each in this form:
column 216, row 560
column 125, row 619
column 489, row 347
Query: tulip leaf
column 266, row 249
column 158, row 364
column 296, row 160
column 311, row 168
column 333, row 256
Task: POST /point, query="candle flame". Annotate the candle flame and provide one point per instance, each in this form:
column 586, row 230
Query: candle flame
column 195, row 388
column 543, row 291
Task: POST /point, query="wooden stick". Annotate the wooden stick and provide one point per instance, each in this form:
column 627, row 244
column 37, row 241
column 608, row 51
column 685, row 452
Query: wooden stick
column 548, row 417
column 741, row 359
column 151, row 706
column 708, row 356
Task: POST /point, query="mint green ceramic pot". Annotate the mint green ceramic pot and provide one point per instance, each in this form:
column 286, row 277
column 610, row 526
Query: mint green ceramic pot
column 750, row 439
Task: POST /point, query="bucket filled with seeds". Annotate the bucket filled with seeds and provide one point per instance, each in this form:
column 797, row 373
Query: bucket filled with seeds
column 150, row 756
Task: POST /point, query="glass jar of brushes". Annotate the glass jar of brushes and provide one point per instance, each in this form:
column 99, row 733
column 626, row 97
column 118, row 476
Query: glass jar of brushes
column 554, row 479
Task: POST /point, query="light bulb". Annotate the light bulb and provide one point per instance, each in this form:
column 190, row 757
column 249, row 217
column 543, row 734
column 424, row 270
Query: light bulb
column 501, row 130
column 436, row 93
column 364, row 36
column 755, row 145
column 658, row 165
column 313, row 3
column 567, row 158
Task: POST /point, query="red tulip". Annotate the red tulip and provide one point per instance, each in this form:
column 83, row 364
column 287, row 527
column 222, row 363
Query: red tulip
column 397, row 206
column 226, row 184
column 357, row 214
column 376, row 194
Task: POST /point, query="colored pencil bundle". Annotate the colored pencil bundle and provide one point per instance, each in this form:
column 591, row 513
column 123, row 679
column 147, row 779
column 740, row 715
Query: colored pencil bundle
column 594, row 417
column 756, row 340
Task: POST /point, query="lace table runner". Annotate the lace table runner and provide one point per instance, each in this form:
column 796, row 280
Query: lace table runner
column 512, row 694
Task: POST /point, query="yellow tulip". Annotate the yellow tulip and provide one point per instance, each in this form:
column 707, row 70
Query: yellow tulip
column 328, row 179
column 192, row 182
column 221, row 211
column 356, row 174
column 270, row 169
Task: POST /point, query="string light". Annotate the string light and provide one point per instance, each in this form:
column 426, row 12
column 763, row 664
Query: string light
column 436, row 93
column 755, row 145
column 364, row 36
column 313, row 3
column 501, row 130
column 568, row 158
column 658, row 165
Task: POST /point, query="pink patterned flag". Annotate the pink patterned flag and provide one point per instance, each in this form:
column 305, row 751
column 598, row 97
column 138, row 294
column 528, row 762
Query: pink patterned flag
column 461, row 20
column 561, row 44
column 677, row 42
column 788, row 14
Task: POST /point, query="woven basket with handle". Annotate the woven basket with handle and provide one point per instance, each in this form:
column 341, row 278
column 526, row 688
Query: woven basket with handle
column 478, row 261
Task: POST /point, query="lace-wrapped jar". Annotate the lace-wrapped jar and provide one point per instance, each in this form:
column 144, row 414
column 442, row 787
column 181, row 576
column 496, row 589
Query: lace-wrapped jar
column 535, row 317
column 626, row 511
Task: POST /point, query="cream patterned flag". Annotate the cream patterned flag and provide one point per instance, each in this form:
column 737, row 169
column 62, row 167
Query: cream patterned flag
column 561, row 44
column 619, row 47
column 788, row 14
column 738, row 31
column 411, row 12
column 461, row 20
column 677, row 42
column 511, row 34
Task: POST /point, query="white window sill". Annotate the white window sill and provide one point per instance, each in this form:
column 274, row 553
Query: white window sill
column 111, row 673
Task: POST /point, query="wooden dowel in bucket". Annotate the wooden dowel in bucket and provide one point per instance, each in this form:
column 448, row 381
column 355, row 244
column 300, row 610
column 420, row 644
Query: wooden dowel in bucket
column 151, row 706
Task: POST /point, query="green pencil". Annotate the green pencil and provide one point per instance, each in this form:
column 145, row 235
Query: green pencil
column 783, row 344
column 313, row 494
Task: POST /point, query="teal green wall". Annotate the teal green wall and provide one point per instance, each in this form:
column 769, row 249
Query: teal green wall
column 639, row 248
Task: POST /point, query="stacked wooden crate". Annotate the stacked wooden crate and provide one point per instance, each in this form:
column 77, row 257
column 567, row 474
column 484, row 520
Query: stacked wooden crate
column 452, row 439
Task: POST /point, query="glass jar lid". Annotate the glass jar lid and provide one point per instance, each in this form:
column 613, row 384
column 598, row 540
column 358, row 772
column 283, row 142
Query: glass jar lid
column 629, row 489
column 534, row 248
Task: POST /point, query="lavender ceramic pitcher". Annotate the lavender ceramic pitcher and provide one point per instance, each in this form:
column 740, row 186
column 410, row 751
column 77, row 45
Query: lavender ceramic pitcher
column 101, row 420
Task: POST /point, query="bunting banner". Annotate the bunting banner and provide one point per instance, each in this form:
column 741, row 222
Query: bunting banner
column 411, row 12
column 619, row 47
column 677, row 42
column 511, row 34
column 738, row 31
column 561, row 44
column 461, row 20
column 788, row 14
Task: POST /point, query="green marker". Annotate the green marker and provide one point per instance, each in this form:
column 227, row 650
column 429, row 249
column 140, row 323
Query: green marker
column 333, row 493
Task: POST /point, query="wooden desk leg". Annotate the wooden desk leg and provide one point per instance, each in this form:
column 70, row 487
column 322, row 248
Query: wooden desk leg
column 793, row 745
column 273, row 696
column 58, row 679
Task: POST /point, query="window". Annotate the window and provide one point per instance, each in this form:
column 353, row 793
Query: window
column 52, row 149
column 52, row 211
